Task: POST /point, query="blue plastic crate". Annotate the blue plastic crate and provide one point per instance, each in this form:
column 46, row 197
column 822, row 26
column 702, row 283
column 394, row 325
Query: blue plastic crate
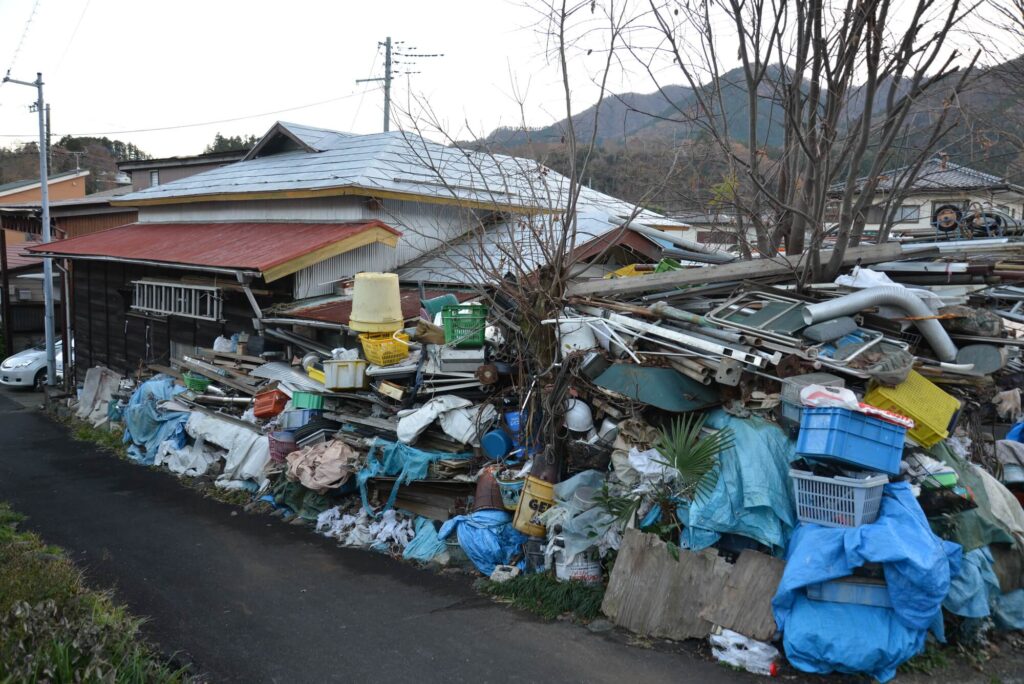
column 851, row 437
column 293, row 420
column 851, row 590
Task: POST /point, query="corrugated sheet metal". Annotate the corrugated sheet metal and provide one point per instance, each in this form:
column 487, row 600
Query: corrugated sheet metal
column 319, row 279
column 250, row 246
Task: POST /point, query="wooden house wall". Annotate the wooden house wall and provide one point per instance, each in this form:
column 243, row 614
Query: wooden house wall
column 108, row 333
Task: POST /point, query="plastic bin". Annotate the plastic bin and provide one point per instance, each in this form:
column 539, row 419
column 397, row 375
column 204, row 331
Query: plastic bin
column 510, row 493
column 282, row 443
column 293, row 420
column 196, row 383
column 385, row 350
column 269, row 404
column 307, row 400
column 345, row 375
column 837, row 501
column 851, row 437
column 863, row 592
column 792, row 385
column 934, row 412
column 464, row 325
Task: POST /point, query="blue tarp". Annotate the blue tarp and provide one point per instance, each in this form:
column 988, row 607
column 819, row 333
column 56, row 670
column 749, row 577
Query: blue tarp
column 975, row 593
column 426, row 544
column 146, row 427
column 487, row 537
column 918, row 566
column 752, row 497
column 397, row 460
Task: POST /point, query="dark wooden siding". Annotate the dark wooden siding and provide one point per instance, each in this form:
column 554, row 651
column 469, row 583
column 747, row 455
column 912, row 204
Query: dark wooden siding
column 108, row 333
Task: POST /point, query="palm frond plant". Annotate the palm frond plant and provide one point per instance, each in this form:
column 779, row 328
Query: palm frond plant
column 693, row 454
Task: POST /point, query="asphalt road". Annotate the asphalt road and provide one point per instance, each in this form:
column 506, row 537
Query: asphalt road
column 247, row 598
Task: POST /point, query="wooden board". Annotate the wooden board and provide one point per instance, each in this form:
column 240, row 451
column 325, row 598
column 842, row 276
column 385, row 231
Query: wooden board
column 651, row 593
column 745, row 604
column 737, row 270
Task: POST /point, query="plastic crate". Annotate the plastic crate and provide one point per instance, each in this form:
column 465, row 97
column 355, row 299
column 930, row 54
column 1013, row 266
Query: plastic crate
column 384, row 349
column 307, row 400
column 281, row 443
column 293, row 420
column 792, row 385
column 863, row 592
column 934, row 411
column 345, row 375
column 837, row 501
column 851, row 437
column 464, row 325
column 196, row 383
column 667, row 265
column 269, row 404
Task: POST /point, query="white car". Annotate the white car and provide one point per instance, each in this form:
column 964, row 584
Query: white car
column 28, row 368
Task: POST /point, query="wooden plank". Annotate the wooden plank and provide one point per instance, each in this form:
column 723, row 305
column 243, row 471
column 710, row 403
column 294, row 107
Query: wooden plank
column 745, row 604
column 738, row 270
column 652, row 593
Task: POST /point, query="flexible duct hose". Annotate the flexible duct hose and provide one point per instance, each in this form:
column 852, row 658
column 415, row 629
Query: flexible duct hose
column 899, row 297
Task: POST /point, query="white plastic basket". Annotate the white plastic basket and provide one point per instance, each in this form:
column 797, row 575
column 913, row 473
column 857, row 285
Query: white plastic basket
column 837, row 501
column 345, row 375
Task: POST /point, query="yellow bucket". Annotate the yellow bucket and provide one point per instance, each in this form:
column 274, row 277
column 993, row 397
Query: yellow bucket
column 537, row 497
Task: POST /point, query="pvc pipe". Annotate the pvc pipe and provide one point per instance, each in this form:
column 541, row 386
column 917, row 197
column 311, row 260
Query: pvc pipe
column 899, row 297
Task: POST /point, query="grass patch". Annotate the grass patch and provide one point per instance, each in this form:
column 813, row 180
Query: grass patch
column 112, row 440
column 54, row 629
column 542, row 594
column 933, row 660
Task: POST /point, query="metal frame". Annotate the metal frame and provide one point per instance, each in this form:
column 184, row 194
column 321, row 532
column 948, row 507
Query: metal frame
column 166, row 298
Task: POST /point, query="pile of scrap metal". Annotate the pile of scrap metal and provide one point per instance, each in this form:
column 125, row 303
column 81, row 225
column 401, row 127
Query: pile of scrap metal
column 831, row 471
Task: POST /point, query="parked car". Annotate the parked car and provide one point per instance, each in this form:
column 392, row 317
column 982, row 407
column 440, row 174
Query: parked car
column 28, row 368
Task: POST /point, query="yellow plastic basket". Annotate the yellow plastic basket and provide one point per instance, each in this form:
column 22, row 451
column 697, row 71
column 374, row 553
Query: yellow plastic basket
column 934, row 412
column 385, row 349
column 627, row 272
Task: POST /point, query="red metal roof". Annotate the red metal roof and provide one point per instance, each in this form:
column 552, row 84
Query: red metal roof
column 339, row 310
column 16, row 260
column 245, row 246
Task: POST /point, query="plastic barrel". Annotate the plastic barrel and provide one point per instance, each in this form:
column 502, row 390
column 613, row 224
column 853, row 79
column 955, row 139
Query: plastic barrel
column 537, row 497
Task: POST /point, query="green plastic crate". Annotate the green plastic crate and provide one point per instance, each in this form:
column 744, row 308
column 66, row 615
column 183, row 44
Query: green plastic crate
column 307, row 400
column 464, row 325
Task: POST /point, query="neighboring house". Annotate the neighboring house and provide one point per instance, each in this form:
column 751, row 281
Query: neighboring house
column 146, row 173
column 68, row 218
column 228, row 250
column 23, row 298
column 62, row 186
column 941, row 192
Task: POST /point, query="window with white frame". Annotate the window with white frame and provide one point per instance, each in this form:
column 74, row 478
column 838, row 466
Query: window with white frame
column 176, row 299
column 154, row 178
column 907, row 213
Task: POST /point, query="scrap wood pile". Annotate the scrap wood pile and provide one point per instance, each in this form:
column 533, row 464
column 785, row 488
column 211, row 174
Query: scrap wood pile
column 826, row 474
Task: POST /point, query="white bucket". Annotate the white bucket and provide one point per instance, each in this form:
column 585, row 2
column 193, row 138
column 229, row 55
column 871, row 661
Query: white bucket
column 579, row 569
column 575, row 336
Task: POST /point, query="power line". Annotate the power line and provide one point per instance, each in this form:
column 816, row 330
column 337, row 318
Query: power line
column 72, row 39
column 202, row 123
column 24, row 34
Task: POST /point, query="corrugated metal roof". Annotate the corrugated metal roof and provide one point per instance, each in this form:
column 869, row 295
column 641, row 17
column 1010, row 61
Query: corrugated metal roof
column 338, row 309
column 936, row 174
column 246, row 246
column 10, row 188
column 17, row 260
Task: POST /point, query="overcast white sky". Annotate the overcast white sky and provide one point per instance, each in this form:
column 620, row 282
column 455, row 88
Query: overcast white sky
column 112, row 66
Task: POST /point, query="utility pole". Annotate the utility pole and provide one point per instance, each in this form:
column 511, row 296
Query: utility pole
column 44, row 196
column 387, row 82
column 49, row 149
column 389, row 72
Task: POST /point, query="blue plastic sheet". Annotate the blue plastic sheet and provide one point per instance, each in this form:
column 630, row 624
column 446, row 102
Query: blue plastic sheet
column 487, row 537
column 146, row 426
column 426, row 544
column 918, row 569
column 975, row 593
column 752, row 497
column 397, row 460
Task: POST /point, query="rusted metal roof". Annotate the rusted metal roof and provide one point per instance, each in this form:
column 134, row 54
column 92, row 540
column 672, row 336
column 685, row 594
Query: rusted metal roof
column 17, row 260
column 338, row 309
column 267, row 248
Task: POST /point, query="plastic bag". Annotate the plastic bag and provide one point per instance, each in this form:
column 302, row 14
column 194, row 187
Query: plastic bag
column 223, row 344
column 737, row 650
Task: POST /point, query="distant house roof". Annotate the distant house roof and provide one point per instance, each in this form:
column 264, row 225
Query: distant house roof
column 194, row 160
column 939, row 174
column 16, row 259
column 15, row 187
column 273, row 250
column 97, row 198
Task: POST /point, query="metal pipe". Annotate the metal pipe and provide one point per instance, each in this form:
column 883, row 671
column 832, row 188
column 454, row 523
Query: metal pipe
column 207, row 399
column 693, row 375
column 144, row 262
column 899, row 297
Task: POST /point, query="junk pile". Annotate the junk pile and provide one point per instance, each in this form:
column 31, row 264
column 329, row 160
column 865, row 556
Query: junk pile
column 827, row 475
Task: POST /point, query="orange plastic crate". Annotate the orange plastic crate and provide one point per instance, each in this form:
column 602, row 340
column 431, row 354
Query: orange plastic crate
column 269, row 404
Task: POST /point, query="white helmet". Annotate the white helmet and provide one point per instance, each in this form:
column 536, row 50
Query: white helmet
column 578, row 417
